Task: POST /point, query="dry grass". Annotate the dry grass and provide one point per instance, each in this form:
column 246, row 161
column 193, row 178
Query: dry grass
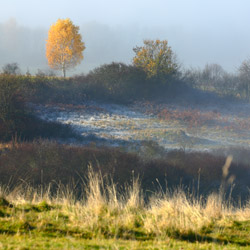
column 105, row 212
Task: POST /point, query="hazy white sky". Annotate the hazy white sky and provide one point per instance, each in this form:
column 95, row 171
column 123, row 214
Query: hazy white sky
column 199, row 31
column 184, row 13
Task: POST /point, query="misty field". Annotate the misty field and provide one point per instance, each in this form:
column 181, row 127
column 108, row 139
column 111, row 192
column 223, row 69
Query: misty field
column 188, row 127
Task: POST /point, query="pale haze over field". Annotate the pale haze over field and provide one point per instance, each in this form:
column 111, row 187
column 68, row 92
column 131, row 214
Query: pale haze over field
column 199, row 31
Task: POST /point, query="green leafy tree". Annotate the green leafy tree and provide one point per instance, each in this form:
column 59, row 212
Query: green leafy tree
column 155, row 58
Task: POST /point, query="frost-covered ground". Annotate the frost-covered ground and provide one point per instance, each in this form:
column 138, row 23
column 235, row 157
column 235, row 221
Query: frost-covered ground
column 179, row 127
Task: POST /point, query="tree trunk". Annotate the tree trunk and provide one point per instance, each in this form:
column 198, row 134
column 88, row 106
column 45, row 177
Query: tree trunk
column 63, row 70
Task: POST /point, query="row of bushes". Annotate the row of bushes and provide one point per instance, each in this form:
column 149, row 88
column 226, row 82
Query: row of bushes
column 125, row 83
column 44, row 163
column 115, row 82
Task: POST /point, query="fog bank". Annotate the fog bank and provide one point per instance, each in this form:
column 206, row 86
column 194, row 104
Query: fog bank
column 106, row 43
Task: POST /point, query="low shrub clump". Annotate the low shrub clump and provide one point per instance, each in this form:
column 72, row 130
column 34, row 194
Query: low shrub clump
column 17, row 121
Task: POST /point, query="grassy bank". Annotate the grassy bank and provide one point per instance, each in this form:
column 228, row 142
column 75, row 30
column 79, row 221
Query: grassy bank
column 107, row 218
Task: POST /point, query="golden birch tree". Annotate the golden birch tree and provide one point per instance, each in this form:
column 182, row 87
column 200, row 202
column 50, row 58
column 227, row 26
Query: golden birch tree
column 64, row 47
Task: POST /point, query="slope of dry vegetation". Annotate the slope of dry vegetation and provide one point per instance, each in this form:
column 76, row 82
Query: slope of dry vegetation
column 49, row 163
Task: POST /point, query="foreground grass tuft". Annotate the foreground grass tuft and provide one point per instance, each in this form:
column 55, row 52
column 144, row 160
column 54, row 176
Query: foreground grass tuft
column 108, row 215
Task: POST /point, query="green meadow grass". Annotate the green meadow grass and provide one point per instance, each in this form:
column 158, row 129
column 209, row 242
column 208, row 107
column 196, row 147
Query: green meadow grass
column 31, row 242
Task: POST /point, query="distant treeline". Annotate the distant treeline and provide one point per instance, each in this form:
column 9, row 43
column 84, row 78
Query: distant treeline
column 214, row 78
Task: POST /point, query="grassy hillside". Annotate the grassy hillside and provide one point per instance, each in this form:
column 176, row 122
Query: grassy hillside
column 116, row 82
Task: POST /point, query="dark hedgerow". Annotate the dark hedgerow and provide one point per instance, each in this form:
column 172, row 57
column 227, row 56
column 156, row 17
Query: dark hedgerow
column 44, row 163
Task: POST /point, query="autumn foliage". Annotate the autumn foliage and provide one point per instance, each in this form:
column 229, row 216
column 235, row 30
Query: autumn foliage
column 156, row 58
column 64, row 46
